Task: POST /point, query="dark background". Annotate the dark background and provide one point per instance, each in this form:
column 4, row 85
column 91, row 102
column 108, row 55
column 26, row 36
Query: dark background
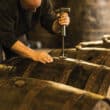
column 90, row 20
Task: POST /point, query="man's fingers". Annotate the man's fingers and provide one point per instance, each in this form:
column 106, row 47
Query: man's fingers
column 64, row 14
column 42, row 57
column 46, row 59
column 64, row 19
column 64, row 22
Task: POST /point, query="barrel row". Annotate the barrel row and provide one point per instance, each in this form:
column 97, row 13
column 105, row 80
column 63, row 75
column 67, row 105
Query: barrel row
column 77, row 73
column 33, row 94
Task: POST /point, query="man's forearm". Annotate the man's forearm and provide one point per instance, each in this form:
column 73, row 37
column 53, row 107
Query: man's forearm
column 19, row 48
column 22, row 50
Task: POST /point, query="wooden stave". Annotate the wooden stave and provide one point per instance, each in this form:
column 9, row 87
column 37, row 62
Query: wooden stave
column 66, row 71
column 43, row 95
column 94, row 55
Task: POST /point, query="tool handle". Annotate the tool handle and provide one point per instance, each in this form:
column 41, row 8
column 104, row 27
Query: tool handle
column 63, row 31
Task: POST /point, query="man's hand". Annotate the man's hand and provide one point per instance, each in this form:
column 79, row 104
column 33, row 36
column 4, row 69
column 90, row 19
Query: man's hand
column 64, row 19
column 41, row 56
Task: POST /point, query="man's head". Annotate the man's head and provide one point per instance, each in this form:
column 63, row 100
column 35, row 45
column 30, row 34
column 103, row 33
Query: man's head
column 31, row 4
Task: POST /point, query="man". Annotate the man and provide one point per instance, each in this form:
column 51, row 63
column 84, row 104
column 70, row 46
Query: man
column 17, row 17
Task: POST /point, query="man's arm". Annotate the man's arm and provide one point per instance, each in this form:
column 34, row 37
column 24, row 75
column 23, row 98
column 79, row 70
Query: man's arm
column 50, row 21
column 9, row 40
column 41, row 56
column 48, row 15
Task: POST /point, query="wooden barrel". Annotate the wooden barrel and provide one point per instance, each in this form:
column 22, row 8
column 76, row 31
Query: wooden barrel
column 33, row 94
column 102, row 105
column 77, row 73
column 90, row 18
column 5, row 70
column 104, row 43
column 58, row 71
column 95, row 55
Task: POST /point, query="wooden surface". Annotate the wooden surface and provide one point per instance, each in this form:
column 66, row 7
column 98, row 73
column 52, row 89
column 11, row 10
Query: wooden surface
column 93, row 54
column 33, row 94
column 77, row 73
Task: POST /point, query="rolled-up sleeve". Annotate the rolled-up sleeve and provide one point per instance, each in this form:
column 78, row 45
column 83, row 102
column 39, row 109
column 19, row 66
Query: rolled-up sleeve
column 47, row 15
column 7, row 23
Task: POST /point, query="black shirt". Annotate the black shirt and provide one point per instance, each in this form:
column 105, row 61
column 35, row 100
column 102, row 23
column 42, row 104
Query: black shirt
column 15, row 21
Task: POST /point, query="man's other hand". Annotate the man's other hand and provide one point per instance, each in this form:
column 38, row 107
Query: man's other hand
column 64, row 19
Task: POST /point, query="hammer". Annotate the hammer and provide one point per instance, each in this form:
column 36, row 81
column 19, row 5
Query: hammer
column 63, row 29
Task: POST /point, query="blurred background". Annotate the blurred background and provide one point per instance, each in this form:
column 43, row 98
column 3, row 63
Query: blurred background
column 90, row 20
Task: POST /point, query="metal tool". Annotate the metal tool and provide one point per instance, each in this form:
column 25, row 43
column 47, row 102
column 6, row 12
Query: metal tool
column 63, row 29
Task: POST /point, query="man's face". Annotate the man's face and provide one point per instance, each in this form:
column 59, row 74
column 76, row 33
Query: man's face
column 31, row 4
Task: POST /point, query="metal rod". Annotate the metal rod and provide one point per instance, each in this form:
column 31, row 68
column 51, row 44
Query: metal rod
column 63, row 32
column 63, row 46
column 63, row 40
